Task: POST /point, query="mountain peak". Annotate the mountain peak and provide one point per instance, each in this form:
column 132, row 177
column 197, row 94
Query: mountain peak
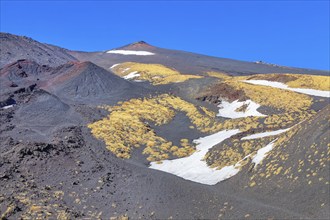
column 139, row 45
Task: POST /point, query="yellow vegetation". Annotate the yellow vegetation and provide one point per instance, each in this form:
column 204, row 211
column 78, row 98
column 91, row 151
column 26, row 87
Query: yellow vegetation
column 273, row 97
column 234, row 150
column 219, row 75
column 295, row 80
column 155, row 73
column 127, row 126
column 285, row 100
column 307, row 169
column 8, row 212
column 243, row 108
column 311, row 82
column 208, row 112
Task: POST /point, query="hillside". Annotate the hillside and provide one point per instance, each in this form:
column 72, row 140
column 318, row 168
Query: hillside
column 185, row 62
column 13, row 48
column 88, row 83
column 141, row 132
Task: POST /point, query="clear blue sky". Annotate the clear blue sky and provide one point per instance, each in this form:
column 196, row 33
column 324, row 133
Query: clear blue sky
column 292, row 33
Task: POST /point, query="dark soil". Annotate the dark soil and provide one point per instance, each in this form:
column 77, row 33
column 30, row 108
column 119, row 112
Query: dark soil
column 51, row 166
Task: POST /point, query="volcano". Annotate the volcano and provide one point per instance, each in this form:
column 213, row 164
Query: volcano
column 143, row 132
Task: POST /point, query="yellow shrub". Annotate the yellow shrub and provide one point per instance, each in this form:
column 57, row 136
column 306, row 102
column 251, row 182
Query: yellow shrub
column 295, row 80
column 311, row 82
column 219, row 75
column 155, row 73
column 274, row 97
column 126, row 127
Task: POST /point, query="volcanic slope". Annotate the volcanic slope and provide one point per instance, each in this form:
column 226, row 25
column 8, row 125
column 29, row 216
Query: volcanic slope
column 184, row 62
column 74, row 176
column 80, row 82
column 13, row 48
column 22, row 73
column 86, row 82
column 295, row 172
column 242, row 137
column 189, row 142
column 51, row 166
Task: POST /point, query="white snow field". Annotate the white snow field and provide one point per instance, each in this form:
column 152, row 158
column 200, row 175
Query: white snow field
column 262, row 153
column 265, row 134
column 194, row 168
column 228, row 110
column 313, row 92
column 7, row 106
column 114, row 65
column 132, row 75
column 131, row 52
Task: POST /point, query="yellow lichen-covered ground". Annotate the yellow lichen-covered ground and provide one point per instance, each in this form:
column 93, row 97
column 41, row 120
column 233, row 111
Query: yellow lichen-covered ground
column 47, row 205
column 219, row 75
column 295, row 80
column 273, row 97
column 127, row 126
column 311, row 82
column 282, row 163
column 155, row 73
column 292, row 80
column 268, row 96
column 306, row 170
column 234, row 150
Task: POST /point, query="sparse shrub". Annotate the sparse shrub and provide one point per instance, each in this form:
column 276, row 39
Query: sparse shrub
column 157, row 74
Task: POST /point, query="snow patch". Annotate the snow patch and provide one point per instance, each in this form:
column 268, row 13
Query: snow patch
column 131, row 52
column 228, row 110
column 279, row 85
column 132, row 75
column 7, row 106
column 262, row 153
column 265, row 134
column 114, row 65
column 193, row 167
